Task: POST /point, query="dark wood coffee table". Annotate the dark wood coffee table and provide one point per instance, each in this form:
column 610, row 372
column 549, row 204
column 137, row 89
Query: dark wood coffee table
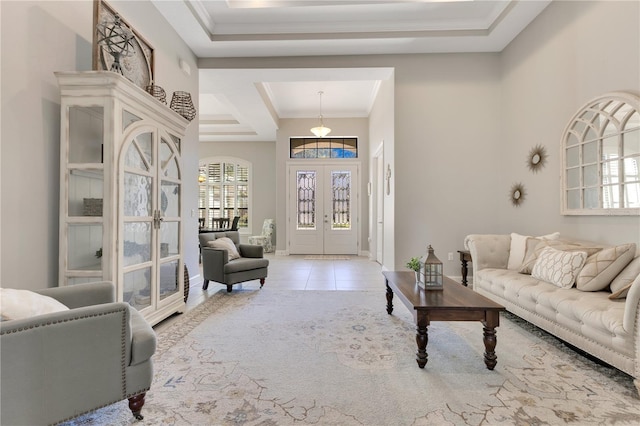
column 454, row 303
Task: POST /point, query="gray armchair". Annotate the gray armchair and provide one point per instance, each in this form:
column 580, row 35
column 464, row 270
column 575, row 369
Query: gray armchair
column 217, row 267
column 61, row 365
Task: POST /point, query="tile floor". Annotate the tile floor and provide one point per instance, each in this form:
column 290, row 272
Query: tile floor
column 296, row 273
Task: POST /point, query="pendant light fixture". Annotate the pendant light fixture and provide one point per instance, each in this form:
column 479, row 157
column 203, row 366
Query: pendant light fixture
column 321, row 131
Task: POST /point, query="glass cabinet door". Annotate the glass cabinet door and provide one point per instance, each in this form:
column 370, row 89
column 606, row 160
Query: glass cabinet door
column 138, row 221
column 170, row 196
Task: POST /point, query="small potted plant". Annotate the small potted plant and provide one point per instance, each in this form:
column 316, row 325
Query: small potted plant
column 414, row 265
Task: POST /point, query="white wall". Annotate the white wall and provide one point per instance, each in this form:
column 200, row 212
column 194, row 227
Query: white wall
column 573, row 52
column 262, row 156
column 38, row 38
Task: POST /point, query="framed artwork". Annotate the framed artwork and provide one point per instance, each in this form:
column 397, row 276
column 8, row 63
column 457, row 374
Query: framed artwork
column 138, row 67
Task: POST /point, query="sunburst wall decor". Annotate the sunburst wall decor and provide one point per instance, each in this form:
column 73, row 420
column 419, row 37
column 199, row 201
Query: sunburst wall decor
column 517, row 194
column 537, row 158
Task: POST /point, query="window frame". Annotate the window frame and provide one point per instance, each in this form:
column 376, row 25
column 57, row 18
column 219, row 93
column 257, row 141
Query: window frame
column 205, row 162
column 587, row 136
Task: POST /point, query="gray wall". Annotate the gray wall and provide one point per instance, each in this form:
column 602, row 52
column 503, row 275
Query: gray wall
column 572, row 53
column 262, row 156
column 38, row 38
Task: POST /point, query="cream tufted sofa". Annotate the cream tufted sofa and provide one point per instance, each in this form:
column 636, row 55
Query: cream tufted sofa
column 605, row 327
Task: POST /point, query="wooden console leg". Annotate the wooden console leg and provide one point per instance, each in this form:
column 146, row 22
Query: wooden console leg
column 229, row 287
column 261, row 282
column 135, row 405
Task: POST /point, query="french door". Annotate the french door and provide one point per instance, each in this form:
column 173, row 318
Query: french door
column 323, row 208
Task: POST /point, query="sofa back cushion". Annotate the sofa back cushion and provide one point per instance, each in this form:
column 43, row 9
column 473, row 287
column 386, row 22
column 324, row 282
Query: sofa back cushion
column 205, row 237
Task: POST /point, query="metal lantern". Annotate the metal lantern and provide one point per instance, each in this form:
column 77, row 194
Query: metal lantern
column 431, row 277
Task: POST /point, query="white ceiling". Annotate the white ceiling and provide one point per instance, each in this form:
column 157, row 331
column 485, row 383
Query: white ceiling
column 243, row 105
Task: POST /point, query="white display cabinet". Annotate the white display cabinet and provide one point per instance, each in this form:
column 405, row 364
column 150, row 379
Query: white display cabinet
column 121, row 191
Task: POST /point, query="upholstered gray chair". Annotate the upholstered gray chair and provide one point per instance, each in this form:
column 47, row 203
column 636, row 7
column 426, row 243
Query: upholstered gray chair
column 217, row 265
column 60, row 365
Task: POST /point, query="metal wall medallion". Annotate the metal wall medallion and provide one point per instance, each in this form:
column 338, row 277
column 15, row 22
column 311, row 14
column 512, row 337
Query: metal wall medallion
column 517, row 194
column 537, row 158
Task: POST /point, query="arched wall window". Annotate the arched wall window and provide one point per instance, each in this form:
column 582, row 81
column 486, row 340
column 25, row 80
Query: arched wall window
column 224, row 191
column 601, row 158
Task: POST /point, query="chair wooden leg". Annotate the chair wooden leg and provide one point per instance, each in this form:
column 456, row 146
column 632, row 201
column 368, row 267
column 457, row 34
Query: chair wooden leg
column 229, row 288
column 261, row 282
column 135, row 405
column 205, row 284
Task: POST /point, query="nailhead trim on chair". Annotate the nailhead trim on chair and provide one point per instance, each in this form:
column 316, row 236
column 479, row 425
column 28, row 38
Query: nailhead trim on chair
column 123, row 360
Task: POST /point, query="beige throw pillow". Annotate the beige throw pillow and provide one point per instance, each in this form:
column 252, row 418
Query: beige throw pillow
column 621, row 283
column 518, row 248
column 601, row 268
column 558, row 267
column 225, row 243
column 536, row 245
column 19, row 304
column 622, row 292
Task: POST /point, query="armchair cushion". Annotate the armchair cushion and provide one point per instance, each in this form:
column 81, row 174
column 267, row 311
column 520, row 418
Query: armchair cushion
column 18, row 304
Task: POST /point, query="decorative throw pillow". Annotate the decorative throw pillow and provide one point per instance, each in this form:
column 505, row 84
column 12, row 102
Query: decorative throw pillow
column 602, row 267
column 19, row 304
column 536, row 245
column 225, row 243
column 519, row 247
column 622, row 292
column 558, row 267
column 621, row 283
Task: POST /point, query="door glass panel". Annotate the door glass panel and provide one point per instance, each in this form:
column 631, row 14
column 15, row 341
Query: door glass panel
column 177, row 142
column 170, row 199
column 137, row 195
column 128, row 119
column 139, row 152
column 306, row 203
column 85, row 247
column 85, row 192
column 137, row 288
column 169, row 237
column 85, row 134
column 169, row 276
column 137, row 243
column 168, row 161
column 341, row 200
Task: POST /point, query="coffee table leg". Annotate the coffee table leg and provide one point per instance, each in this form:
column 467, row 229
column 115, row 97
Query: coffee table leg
column 422, row 324
column 489, row 327
column 389, row 298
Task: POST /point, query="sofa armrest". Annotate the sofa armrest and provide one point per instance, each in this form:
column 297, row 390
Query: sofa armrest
column 76, row 296
column 632, row 309
column 213, row 261
column 488, row 250
column 251, row 250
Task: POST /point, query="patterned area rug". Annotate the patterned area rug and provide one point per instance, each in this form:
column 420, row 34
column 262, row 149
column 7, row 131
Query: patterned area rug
column 274, row 357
